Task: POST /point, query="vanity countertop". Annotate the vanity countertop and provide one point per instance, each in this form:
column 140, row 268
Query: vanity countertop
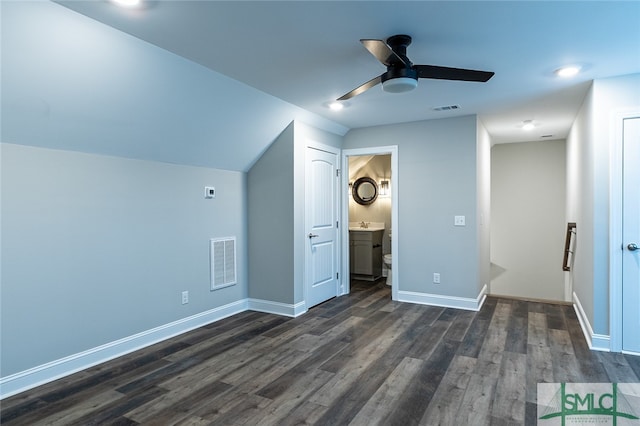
column 371, row 226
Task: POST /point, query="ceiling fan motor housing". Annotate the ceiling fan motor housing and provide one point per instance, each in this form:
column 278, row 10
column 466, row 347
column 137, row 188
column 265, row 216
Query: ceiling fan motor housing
column 396, row 72
column 399, row 43
column 400, row 76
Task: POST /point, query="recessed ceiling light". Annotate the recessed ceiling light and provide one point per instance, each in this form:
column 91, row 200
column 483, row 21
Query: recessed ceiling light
column 528, row 125
column 568, row 71
column 337, row 106
column 127, row 3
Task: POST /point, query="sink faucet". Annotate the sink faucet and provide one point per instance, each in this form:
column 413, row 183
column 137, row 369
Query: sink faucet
column 364, row 224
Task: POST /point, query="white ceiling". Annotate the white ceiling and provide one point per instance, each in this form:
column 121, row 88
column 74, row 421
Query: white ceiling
column 308, row 53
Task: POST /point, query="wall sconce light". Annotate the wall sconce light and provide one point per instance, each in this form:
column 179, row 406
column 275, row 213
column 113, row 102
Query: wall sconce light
column 384, row 187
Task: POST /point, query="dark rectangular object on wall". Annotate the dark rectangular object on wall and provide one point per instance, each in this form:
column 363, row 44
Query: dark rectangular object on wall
column 568, row 246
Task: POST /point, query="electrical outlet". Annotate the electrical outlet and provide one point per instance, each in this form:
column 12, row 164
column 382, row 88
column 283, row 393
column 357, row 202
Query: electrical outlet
column 436, row 278
column 459, row 221
column 185, row 297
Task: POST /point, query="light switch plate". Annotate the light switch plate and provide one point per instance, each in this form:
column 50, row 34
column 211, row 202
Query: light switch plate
column 209, row 192
column 459, row 221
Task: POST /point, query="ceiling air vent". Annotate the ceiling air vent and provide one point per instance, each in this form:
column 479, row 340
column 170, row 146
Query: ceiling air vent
column 447, row 108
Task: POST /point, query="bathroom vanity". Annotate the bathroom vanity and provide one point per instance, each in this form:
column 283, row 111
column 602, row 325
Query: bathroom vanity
column 365, row 252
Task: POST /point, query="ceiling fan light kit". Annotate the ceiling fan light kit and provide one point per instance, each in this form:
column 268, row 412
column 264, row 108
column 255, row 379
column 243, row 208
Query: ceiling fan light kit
column 399, row 84
column 402, row 75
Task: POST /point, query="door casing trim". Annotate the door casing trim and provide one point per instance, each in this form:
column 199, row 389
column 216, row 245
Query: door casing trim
column 344, row 217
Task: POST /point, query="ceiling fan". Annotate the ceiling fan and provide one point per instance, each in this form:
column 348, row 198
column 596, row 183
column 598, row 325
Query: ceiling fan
column 402, row 75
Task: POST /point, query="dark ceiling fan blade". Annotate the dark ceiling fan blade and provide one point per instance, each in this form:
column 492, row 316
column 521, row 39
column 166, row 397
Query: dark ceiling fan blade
column 362, row 88
column 382, row 52
column 446, row 73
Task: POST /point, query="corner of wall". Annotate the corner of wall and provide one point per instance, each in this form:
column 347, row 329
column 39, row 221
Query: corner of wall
column 483, row 204
column 588, row 187
column 579, row 206
column 270, row 183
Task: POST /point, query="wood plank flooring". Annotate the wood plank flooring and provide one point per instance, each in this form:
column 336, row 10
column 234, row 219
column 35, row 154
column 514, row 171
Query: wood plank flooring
column 361, row 359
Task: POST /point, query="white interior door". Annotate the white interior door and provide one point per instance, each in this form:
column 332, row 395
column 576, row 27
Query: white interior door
column 631, row 236
column 321, row 226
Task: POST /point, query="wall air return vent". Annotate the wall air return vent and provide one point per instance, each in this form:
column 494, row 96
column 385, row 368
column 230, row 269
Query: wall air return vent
column 222, row 252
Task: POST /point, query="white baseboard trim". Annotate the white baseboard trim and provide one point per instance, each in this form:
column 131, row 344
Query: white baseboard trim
column 45, row 373
column 278, row 308
column 466, row 303
column 596, row 342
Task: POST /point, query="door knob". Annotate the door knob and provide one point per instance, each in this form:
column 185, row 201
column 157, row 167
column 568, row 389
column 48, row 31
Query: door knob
column 312, row 235
column 632, row 247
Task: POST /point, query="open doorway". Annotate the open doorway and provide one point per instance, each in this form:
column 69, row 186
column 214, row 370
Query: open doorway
column 370, row 209
column 528, row 219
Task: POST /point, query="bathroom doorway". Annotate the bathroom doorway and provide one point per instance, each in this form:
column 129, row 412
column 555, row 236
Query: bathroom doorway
column 369, row 209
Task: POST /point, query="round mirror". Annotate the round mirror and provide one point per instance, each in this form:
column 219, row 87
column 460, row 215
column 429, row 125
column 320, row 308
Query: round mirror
column 365, row 191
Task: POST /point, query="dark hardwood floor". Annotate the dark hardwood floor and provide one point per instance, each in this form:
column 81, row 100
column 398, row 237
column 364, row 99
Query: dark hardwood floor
column 360, row 359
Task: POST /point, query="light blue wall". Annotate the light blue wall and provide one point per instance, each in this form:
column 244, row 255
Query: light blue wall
column 270, row 219
column 611, row 94
column 580, row 208
column 98, row 248
column 437, row 178
column 276, row 203
column 100, row 234
column 589, row 171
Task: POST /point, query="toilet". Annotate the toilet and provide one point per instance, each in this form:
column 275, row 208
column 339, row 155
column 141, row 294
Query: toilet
column 387, row 262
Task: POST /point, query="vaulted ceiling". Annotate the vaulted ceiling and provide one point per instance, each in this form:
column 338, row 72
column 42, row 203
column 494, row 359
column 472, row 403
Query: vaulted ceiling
column 308, row 52
column 213, row 82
